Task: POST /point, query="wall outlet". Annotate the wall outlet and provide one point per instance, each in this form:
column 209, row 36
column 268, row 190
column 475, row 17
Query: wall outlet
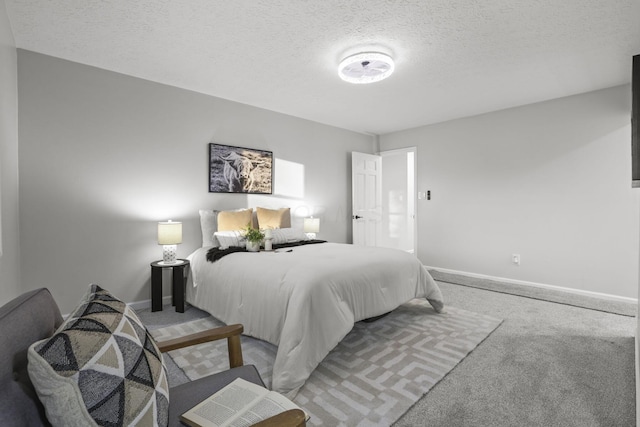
column 515, row 258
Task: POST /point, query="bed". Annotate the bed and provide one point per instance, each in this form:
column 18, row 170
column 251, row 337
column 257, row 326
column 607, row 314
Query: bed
column 305, row 299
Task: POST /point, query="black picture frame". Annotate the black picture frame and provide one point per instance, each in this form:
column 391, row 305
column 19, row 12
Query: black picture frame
column 635, row 122
column 240, row 170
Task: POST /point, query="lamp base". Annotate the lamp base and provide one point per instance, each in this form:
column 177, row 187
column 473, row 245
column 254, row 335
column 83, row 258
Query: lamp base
column 169, row 254
column 311, row 236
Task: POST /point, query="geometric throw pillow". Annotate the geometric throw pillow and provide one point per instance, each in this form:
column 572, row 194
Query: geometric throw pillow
column 101, row 367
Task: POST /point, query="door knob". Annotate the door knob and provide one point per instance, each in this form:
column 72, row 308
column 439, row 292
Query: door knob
column 356, row 216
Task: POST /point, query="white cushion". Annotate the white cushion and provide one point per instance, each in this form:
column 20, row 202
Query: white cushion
column 287, row 235
column 230, row 238
column 208, row 225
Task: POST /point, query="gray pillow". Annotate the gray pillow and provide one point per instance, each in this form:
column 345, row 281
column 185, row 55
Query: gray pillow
column 208, row 225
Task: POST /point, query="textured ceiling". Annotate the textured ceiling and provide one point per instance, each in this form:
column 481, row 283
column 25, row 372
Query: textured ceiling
column 454, row 58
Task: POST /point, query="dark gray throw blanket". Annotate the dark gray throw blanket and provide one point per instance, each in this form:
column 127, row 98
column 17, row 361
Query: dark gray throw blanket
column 215, row 254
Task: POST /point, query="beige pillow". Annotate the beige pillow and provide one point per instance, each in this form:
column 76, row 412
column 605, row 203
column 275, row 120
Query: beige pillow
column 234, row 220
column 274, row 218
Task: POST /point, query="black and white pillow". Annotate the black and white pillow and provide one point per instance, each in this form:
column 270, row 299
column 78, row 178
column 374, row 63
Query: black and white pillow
column 101, row 367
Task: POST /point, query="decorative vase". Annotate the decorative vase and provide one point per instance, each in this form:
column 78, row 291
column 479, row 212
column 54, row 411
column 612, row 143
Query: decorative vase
column 268, row 244
column 253, row 246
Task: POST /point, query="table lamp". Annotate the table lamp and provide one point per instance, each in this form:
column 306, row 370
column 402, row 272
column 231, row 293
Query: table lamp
column 169, row 235
column 311, row 226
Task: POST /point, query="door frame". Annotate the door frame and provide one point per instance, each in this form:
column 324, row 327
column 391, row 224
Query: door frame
column 406, row 151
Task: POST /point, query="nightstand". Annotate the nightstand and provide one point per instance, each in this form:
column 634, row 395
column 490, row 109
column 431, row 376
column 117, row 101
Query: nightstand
column 178, row 288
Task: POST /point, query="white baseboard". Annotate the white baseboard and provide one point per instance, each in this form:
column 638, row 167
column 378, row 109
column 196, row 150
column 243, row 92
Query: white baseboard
column 538, row 285
column 138, row 305
column 141, row 305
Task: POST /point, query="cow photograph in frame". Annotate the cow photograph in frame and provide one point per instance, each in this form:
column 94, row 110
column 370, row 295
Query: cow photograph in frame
column 240, row 170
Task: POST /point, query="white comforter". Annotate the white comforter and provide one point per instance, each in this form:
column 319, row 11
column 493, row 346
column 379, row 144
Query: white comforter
column 306, row 301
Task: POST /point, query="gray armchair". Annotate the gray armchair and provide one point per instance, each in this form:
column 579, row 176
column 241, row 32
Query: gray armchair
column 34, row 316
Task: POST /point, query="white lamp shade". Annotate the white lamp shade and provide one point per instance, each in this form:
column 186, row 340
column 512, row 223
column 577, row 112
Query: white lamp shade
column 312, row 225
column 169, row 233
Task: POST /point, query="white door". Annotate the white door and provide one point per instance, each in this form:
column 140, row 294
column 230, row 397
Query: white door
column 366, row 176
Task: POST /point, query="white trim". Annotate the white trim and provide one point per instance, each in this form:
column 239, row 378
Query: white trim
column 538, row 285
column 399, row 150
column 406, row 151
column 144, row 304
column 138, row 305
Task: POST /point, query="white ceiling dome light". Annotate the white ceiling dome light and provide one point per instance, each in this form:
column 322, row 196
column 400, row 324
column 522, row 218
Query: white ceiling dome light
column 367, row 67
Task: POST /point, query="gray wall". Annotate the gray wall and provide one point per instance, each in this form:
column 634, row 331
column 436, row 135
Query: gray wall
column 549, row 181
column 9, row 236
column 104, row 156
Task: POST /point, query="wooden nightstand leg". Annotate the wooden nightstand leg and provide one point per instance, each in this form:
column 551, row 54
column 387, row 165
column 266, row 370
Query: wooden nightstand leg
column 156, row 289
column 178, row 288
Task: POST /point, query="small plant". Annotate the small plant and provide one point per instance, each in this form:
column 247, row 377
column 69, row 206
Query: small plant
column 252, row 234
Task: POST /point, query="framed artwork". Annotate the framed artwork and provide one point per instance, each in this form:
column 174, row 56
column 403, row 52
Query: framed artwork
column 240, row 170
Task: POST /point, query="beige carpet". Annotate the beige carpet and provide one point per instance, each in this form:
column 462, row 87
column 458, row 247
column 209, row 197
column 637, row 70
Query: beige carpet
column 373, row 376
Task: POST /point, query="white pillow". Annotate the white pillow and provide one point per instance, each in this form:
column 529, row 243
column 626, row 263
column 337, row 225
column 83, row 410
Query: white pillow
column 208, row 225
column 287, row 235
column 230, row 238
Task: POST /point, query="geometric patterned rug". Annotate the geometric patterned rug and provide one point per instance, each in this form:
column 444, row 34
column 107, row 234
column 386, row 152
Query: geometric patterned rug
column 373, row 376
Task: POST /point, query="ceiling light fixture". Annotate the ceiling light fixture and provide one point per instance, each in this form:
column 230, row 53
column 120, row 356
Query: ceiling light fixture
column 366, row 67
